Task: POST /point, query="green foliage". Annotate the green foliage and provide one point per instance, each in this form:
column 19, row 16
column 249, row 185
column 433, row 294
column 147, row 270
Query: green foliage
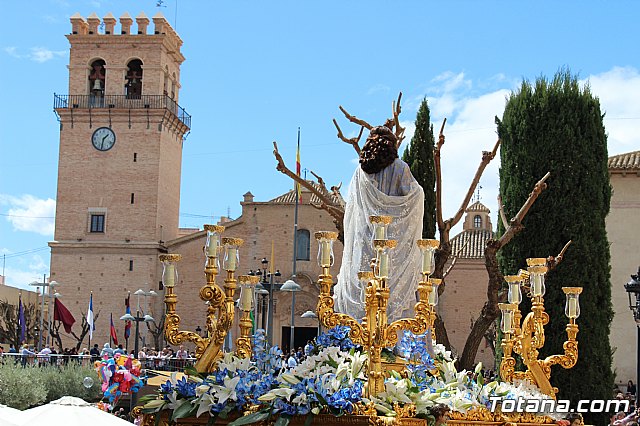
column 556, row 126
column 67, row 380
column 419, row 156
column 24, row 387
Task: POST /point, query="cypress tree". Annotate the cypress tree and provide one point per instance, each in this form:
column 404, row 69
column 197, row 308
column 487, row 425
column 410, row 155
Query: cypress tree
column 557, row 126
column 419, row 156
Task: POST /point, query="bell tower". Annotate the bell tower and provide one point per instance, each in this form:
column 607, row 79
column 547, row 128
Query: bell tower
column 121, row 136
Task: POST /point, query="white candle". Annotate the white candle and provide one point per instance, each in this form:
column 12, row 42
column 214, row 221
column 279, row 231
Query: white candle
column 169, row 275
column 379, row 234
column 514, row 293
column 537, row 283
column 507, row 320
column 433, row 295
column 384, row 265
column 572, row 307
column 326, row 253
column 212, row 250
column 246, row 300
column 231, row 259
column 427, row 261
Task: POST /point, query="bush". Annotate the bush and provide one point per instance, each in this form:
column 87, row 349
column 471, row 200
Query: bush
column 27, row 387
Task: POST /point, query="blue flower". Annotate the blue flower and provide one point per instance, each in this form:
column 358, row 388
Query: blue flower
column 186, row 388
column 337, row 336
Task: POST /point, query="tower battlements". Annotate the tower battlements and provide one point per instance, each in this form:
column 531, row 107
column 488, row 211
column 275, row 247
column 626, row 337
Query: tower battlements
column 92, row 26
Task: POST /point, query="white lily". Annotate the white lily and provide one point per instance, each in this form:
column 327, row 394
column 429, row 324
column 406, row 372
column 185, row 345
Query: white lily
column 226, row 392
column 206, row 401
column 290, row 378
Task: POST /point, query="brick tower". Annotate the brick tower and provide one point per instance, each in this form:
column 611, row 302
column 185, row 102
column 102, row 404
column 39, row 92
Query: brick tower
column 121, row 135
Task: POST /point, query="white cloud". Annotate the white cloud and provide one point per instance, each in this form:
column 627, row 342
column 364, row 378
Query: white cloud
column 36, row 54
column 619, row 90
column 378, row 88
column 41, row 54
column 25, row 272
column 30, row 214
column 12, row 51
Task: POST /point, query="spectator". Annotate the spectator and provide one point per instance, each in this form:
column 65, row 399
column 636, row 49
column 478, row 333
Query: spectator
column 292, row 362
column 26, row 353
column 631, row 388
column 119, row 350
column 12, row 350
column 308, row 348
column 106, row 351
column 45, row 352
column 95, row 352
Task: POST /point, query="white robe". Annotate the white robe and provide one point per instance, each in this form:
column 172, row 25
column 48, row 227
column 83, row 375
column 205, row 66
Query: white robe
column 390, row 192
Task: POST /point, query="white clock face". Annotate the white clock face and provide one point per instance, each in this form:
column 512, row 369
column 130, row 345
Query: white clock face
column 103, row 139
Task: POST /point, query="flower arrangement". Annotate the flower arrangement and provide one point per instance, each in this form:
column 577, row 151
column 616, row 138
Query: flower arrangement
column 331, row 380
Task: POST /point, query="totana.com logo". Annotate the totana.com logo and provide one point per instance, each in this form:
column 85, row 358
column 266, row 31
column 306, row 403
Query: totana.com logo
column 537, row 405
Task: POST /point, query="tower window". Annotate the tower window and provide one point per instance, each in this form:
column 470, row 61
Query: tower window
column 302, row 244
column 97, row 223
column 97, row 78
column 135, row 157
column 133, row 197
column 133, row 86
column 131, row 265
column 477, row 221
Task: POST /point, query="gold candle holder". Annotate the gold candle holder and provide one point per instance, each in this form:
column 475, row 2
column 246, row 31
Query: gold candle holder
column 247, row 287
column 525, row 339
column 374, row 333
column 220, row 311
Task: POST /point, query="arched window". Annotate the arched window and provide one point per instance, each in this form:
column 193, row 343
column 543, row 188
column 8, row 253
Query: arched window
column 166, row 81
column 97, row 78
column 302, row 244
column 477, row 221
column 173, row 86
column 133, row 85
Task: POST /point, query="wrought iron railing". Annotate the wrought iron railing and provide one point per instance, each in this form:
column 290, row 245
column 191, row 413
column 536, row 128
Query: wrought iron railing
column 122, row 102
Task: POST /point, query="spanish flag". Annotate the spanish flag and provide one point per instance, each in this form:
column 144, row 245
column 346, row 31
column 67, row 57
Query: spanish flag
column 298, row 188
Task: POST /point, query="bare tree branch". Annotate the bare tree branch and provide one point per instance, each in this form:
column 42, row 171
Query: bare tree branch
column 351, row 141
column 438, row 168
column 486, row 159
column 503, row 217
column 515, row 225
column 553, row 262
column 397, row 109
column 356, row 120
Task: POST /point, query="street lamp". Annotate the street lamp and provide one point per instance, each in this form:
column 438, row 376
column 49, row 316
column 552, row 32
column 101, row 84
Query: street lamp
column 44, row 284
column 633, row 287
column 261, row 302
column 311, row 314
column 267, row 282
column 138, row 319
column 292, row 287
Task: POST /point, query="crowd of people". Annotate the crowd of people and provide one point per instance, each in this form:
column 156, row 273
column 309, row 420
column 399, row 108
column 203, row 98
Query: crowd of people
column 151, row 358
column 631, row 417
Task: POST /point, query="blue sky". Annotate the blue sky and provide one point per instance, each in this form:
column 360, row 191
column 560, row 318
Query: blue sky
column 256, row 71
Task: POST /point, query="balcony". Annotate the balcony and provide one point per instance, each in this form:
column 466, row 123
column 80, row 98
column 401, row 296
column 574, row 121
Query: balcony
column 122, row 102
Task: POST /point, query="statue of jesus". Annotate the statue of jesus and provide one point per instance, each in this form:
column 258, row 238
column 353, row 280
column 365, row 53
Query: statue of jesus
column 382, row 185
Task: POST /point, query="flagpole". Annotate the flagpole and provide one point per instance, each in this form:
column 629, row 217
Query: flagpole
column 90, row 320
column 295, row 245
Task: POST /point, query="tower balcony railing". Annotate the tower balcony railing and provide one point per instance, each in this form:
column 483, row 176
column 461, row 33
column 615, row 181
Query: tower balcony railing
column 122, row 102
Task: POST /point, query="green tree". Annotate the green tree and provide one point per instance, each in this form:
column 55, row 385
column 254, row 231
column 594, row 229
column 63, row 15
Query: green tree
column 419, row 156
column 556, row 126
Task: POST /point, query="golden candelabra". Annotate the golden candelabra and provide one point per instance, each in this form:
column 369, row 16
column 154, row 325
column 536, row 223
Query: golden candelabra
column 221, row 305
column 525, row 339
column 374, row 332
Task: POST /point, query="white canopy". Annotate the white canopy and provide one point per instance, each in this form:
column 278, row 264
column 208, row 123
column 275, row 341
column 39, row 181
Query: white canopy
column 70, row 411
column 10, row 416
